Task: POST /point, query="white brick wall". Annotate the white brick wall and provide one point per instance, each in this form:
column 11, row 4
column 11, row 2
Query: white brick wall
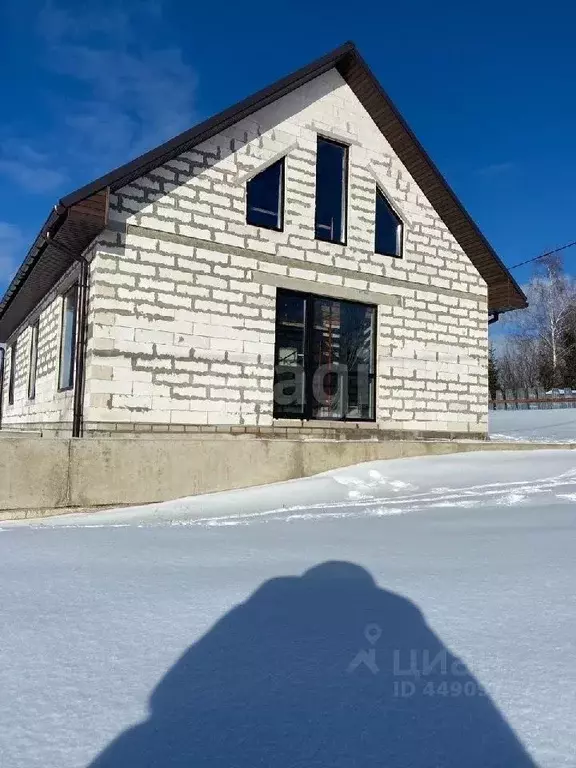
column 50, row 408
column 192, row 306
column 182, row 297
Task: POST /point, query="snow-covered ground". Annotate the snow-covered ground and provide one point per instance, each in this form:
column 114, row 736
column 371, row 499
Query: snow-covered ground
column 556, row 425
column 417, row 612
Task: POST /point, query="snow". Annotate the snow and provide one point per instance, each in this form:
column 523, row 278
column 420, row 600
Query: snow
column 320, row 622
column 554, row 425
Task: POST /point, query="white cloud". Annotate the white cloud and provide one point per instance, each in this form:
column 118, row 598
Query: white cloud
column 137, row 95
column 130, row 95
column 137, row 101
column 12, row 244
column 28, row 168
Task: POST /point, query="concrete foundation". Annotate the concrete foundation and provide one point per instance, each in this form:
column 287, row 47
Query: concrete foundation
column 40, row 476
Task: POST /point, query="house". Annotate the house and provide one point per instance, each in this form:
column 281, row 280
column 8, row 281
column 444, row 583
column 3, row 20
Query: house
column 294, row 265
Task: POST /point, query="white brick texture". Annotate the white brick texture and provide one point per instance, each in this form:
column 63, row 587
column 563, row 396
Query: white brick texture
column 50, row 409
column 182, row 290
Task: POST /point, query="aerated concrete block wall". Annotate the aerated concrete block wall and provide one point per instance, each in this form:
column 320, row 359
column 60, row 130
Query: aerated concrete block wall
column 50, row 410
column 183, row 290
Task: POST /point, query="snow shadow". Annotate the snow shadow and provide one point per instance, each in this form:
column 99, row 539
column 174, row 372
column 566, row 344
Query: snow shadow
column 325, row 669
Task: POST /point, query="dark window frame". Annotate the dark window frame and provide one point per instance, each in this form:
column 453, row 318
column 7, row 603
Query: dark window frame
column 33, row 359
column 399, row 232
column 306, row 414
column 72, row 364
column 282, row 198
column 12, row 375
column 345, row 195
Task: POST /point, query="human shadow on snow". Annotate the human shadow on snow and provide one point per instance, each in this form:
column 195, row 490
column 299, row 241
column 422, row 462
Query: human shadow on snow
column 325, row 670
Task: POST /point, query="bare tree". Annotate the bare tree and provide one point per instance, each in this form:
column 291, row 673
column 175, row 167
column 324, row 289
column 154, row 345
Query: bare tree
column 539, row 337
column 518, row 364
column 553, row 300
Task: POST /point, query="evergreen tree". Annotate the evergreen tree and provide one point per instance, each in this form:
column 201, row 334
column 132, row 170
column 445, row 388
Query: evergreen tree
column 493, row 384
column 569, row 342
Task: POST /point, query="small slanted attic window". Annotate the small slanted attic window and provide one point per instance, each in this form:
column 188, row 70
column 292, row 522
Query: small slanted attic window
column 388, row 228
column 265, row 197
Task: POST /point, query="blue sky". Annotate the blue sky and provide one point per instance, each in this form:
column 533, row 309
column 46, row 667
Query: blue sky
column 489, row 91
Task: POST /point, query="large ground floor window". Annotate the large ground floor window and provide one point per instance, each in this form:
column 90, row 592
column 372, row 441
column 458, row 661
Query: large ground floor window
column 325, row 358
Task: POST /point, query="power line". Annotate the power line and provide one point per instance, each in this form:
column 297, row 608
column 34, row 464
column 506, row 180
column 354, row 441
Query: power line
column 543, row 255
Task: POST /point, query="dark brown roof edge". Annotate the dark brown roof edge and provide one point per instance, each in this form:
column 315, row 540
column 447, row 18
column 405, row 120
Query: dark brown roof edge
column 440, row 177
column 135, row 168
column 131, row 170
column 64, row 236
column 343, row 58
column 53, row 221
column 155, row 157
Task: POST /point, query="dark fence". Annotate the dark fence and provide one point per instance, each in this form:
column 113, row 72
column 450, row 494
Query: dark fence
column 533, row 398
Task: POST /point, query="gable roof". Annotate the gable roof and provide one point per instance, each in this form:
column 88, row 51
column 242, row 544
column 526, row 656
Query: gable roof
column 82, row 215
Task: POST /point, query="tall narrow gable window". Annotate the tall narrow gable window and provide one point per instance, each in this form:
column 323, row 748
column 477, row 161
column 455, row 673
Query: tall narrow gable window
column 68, row 338
column 265, row 197
column 388, row 228
column 33, row 360
column 12, row 376
column 331, row 192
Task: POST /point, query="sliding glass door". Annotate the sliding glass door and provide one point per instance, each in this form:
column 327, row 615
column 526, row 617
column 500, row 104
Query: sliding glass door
column 324, row 367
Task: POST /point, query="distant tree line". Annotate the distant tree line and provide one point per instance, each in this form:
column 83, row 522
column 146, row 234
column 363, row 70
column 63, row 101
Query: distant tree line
column 539, row 346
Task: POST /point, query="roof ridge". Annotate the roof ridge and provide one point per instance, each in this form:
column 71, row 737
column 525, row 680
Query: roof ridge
column 504, row 293
column 229, row 115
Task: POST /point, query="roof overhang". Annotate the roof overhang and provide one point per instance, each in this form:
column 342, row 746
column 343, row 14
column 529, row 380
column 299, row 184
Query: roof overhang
column 82, row 215
column 504, row 293
column 65, row 235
